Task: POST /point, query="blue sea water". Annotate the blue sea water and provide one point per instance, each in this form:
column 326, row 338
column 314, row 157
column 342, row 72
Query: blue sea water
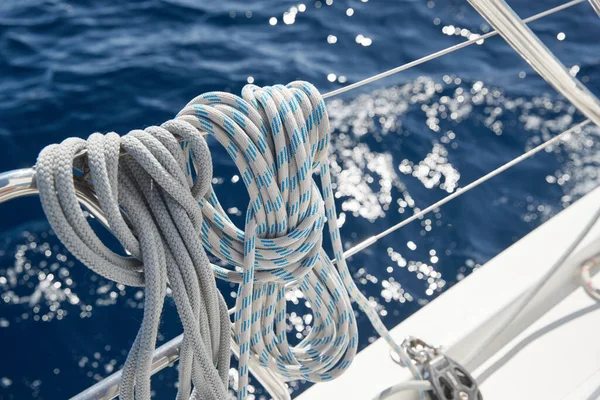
column 71, row 68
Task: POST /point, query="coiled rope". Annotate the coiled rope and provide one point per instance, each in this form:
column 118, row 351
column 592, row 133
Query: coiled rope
column 276, row 136
column 145, row 173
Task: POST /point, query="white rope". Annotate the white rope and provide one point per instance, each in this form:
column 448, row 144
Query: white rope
column 499, row 14
column 276, row 137
column 296, row 256
column 596, row 6
column 518, row 35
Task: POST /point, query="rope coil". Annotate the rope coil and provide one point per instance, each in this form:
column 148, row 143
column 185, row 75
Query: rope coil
column 145, row 173
column 276, row 136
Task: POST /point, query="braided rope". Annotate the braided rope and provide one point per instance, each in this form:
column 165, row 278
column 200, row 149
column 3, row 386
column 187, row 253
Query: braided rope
column 145, row 172
column 277, row 136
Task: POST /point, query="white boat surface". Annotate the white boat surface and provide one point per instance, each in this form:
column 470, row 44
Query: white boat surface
column 550, row 352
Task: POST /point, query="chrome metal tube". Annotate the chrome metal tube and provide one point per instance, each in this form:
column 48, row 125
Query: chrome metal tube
column 596, row 6
column 108, row 388
column 21, row 183
column 516, row 33
column 17, row 183
column 167, row 354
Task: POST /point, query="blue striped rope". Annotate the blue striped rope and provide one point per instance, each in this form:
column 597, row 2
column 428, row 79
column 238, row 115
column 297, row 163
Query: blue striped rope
column 277, row 136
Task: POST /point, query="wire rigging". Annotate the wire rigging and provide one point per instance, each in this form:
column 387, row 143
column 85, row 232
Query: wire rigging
column 368, row 242
column 443, row 52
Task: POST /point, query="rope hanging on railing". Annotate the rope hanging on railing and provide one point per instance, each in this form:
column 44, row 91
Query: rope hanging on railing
column 276, row 136
column 596, row 6
column 145, row 173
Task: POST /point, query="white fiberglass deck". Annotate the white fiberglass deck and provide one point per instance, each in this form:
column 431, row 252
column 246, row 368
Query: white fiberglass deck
column 553, row 352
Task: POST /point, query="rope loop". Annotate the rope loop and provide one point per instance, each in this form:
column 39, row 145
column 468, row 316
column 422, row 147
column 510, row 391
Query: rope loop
column 277, row 136
column 285, row 202
column 147, row 174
